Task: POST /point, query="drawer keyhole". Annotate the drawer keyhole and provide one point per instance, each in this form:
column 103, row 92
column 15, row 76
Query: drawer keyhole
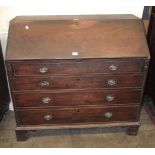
column 78, row 79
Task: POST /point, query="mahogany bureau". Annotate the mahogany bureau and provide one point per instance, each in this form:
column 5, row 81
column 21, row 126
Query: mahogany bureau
column 76, row 71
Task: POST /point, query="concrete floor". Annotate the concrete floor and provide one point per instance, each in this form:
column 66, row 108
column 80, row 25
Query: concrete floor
column 77, row 138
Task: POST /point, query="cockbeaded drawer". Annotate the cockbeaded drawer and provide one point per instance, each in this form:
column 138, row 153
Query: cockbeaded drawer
column 92, row 114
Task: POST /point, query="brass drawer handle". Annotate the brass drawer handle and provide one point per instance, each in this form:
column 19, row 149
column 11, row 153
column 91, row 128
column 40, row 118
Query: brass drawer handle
column 46, row 100
column 43, row 70
column 113, row 67
column 110, row 98
column 108, row 114
column 111, row 82
column 48, row 117
column 44, row 84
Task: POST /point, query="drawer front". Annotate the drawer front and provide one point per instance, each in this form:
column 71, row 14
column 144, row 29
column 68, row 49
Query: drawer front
column 78, row 67
column 77, row 115
column 98, row 97
column 78, row 82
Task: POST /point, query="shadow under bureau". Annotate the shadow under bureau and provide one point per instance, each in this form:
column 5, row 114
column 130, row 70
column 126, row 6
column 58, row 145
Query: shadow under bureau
column 76, row 71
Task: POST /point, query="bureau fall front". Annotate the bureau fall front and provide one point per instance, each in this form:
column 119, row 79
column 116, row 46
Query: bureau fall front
column 76, row 71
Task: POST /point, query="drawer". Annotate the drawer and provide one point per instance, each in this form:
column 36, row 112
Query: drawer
column 76, row 82
column 83, row 97
column 70, row 67
column 92, row 114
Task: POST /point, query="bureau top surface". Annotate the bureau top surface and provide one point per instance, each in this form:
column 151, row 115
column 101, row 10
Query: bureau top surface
column 73, row 37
